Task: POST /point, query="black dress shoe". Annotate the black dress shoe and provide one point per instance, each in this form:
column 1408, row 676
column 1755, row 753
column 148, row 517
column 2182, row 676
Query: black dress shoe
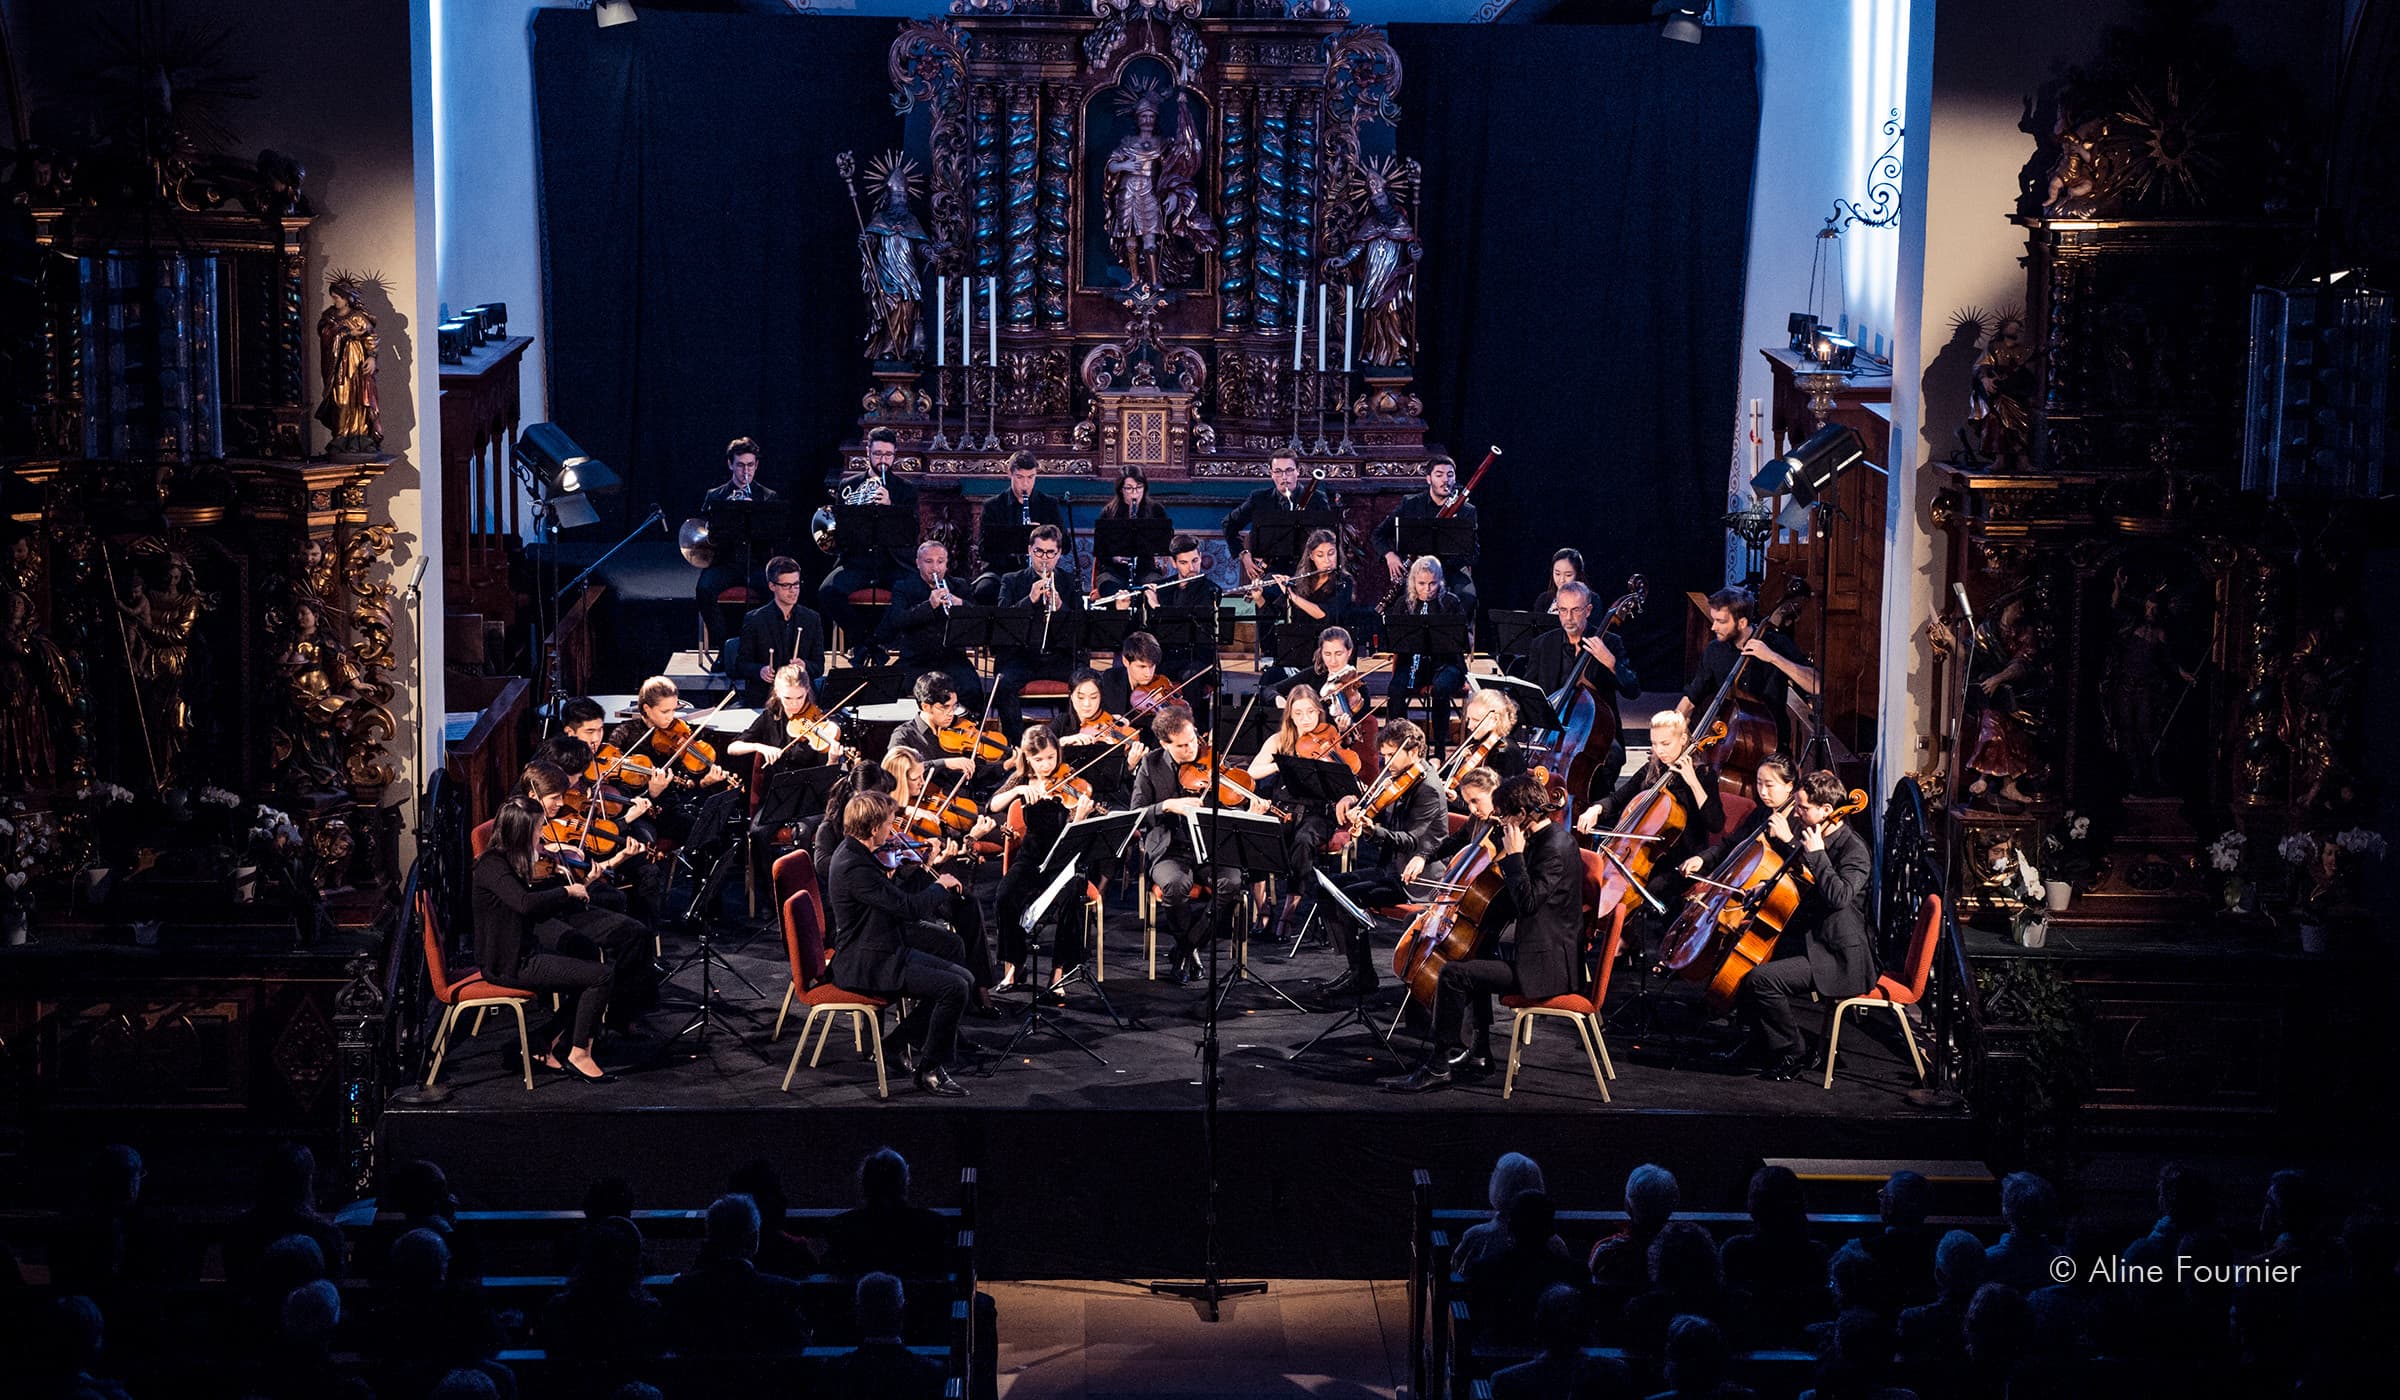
column 1473, row 1066
column 896, row 1051
column 933, row 1079
column 1345, row 985
column 1785, row 1067
column 1417, row 1081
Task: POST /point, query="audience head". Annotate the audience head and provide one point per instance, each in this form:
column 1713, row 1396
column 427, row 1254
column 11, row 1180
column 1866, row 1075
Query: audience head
column 420, row 1261
column 2028, row 1205
column 312, row 1312
column 610, row 1260
column 881, row 1304
column 2186, row 1195
column 1514, row 1172
column 116, row 1180
column 733, row 1227
column 610, row 1195
column 1958, row 1263
column 1862, row 1337
column 883, row 1178
column 1651, row 1195
column 287, row 1263
column 1528, row 1217
column 1776, row 1202
column 76, row 1333
column 1695, row 1360
column 465, row 1383
column 1999, row 1326
column 637, row 1390
column 2294, row 1206
column 420, row 1190
column 289, row 1181
column 1683, row 1259
column 1906, row 1199
column 1853, row 1276
column 1558, row 1318
column 756, row 1179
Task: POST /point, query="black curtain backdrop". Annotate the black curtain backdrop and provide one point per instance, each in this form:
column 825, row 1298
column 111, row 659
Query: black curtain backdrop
column 1586, row 215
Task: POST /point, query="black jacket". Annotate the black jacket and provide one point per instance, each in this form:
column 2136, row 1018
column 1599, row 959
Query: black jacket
column 1417, row 825
column 1700, row 827
column 1835, row 912
column 869, row 914
column 1766, row 685
column 769, row 636
column 727, row 1304
column 999, row 513
column 1266, row 498
column 1545, row 888
column 856, row 553
column 1202, row 592
column 881, row 1371
column 506, row 912
column 1164, row 833
column 913, row 625
column 723, row 491
column 1017, row 587
column 1550, row 659
column 1421, row 507
column 1130, row 569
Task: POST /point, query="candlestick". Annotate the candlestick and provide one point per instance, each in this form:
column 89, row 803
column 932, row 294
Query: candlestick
column 966, row 323
column 1324, row 295
column 991, row 320
column 1349, row 304
column 1299, row 335
column 941, row 318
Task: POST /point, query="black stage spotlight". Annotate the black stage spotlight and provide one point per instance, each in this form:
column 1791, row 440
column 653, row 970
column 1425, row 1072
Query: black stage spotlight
column 1807, row 470
column 1684, row 19
column 566, row 473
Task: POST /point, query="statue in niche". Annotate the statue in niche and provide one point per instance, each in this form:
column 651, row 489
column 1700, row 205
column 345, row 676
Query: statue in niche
column 36, row 692
column 1381, row 256
column 890, row 256
column 322, row 680
column 1999, row 426
column 1155, row 224
column 2144, row 684
column 346, row 348
column 159, row 626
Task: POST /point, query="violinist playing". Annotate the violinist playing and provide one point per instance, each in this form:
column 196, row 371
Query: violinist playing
column 1491, row 719
column 1100, row 745
column 917, row 622
column 1304, row 733
column 1828, row 947
column 1396, row 847
column 1671, row 760
column 873, row 919
column 583, row 722
column 655, row 734
column 601, row 926
column 1541, row 886
column 514, row 906
column 1167, row 843
column 1733, row 633
column 790, row 736
column 938, row 710
column 960, row 936
column 1606, row 668
column 1040, row 793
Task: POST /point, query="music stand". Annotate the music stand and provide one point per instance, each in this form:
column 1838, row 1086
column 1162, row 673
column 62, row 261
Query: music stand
column 1451, row 538
column 966, row 626
column 1295, row 643
column 1007, row 541
column 1314, row 780
column 1103, row 629
column 1278, row 535
column 865, row 685
column 803, row 790
column 1108, row 834
column 1131, row 537
column 1432, row 636
column 1514, row 633
column 1533, row 703
column 875, row 533
column 724, row 813
column 1181, row 628
column 1357, row 1014
column 1256, row 843
column 1252, row 725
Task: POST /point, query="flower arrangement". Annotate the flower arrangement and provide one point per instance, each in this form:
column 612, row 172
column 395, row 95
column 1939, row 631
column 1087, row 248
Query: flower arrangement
column 2326, row 868
column 28, row 842
column 2067, row 851
column 2225, row 856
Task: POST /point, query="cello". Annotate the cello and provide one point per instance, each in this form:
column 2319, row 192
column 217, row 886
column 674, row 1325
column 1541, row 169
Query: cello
column 1587, row 720
column 1730, row 920
column 1652, row 822
column 1751, row 732
column 1448, row 928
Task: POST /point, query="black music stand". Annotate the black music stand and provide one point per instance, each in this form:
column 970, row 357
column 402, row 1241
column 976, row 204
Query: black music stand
column 1131, row 537
column 1007, row 538
column 1295, row 643
column 1259, row 844
column 1103, row 629
column 787, row 794
column 1357, row 1014
column 1432, row 636
column 734, row 527
column 966, row 626
column 1108, row 834
column 1278, row 535
column 1514, row 633
column 864, row 685
column 1533, row 703
column 875, row 534
column 1246, row 731
column 1314, row 780
column 723, row 817
column 1451, row 538
column 1181, row 628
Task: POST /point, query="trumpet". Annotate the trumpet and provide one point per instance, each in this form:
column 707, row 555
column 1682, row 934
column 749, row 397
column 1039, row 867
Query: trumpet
column 867, row 490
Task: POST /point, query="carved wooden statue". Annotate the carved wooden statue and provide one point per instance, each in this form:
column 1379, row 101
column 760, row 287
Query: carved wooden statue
column 346, row 348
column 890, row 257
column 1154, row 220
column 36, row 690
column 1381, row 257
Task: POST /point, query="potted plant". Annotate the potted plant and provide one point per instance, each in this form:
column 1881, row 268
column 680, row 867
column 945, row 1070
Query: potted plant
column 2029, row 922
column 2225, row 855
column 28, row 840
column 2067, row 860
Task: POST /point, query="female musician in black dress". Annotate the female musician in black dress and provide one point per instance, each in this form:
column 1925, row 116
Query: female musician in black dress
column 1320, row 590
column 1091, row 741
column 1305, row 727
column 515, row 904
column 786, row 756
column 1131, row 501
column 1043, row 816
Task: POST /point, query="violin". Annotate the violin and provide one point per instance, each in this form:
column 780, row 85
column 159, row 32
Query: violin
column 1385, row 793
column 1325, row 742
column 899, row 851
column 964, row 738
column 1105, row 728
column 1151, row 696
column 936, row 816
column 680, row 750
column 813, row 728
column 1235, row 788
column 595, row 837
column 579, row 801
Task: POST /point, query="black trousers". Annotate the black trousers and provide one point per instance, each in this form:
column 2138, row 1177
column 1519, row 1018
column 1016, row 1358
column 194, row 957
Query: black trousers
column 1023, row 885
column 1020, row 668
column 938, row 989
column 1368, row 889
column 584, row 981
column 1767, row 995
column 1465, row 994
column 1174, row 875
column 1443, row 688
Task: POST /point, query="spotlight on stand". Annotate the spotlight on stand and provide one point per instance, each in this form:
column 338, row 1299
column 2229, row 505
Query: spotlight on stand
column 1806, row 471
column 567, row 475
column 1684, row 19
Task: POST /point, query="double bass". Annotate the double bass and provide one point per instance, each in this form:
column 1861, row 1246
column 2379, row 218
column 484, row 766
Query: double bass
column 1730, row 920
column 1587, row 720
column 1751, row 732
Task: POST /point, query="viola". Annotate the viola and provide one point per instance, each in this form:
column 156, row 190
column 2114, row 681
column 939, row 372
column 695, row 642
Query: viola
column 1731, row 919
column 964, row 738
column 1235, row 788
column 1386, row 792
column 1151, row 696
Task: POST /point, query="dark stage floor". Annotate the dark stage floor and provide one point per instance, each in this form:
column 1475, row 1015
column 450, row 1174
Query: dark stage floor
column 1093, row 1171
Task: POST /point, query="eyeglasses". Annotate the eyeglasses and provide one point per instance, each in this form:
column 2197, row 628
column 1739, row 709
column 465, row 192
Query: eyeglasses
column 1043, row 551
column 783, row 583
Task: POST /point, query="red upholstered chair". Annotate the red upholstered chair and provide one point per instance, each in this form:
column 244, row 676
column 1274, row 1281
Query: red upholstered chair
column 480, row 839
column 1917, row 968
column 1737, row 808
column 804, row 943
column 468, row 991
column 1581, row 1010
column 1049, row 695
column 794, row 873
column 871, row 602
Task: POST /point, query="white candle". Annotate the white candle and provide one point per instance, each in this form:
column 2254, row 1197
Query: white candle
column 1349, row 304
column 966, row 322
column 1324, row 295
column 941, row 318
column 991, row 320
column 1300, row 324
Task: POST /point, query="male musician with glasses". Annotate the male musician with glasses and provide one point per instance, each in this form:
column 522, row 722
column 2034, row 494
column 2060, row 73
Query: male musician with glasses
column 917, row 621
column 1167, row 845
column 1441, row 487
column 1282, row 491
column 1405, row 839
column 1018, row 508
column 778, row 632
column 862, row 565
column 1050, row 593
column 1605, row 663
column 741, row 483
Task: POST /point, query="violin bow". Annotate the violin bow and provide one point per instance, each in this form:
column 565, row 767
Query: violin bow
column 829, row 713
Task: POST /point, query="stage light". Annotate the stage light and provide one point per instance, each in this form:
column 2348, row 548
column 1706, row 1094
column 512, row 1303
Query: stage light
column 609, row 13
column 1807, row 470
column 1684, row 20
column 566, row 473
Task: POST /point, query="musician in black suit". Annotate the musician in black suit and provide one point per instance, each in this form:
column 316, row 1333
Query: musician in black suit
column 777, row 632
column 1190, row 587
column 937, row 708
column 868, row 913
column 1441, row 676
column 1606, row 667
column 1043, row 586
column 1775, row 662
column 862, row 564
column 741, row 483
column 1833, row 930
column 510, row 909
column 1395, row 846
column 1282, row 491
column 1167, row 843
column 1020, row 507
column 914, row 624
column 1541, row 880
column 1441, row 488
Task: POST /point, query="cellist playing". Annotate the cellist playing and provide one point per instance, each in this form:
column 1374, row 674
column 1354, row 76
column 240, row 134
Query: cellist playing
column 1672, row 761
column 1541, row 881
column 1607, row 669
column 1828, row 947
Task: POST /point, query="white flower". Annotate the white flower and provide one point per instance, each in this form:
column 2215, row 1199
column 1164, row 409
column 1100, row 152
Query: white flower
column 2297, row 849
column 2359, row 841
column 2079, row 828
column 219, row 797
column 6, row 828
column 2225, row 853
column 111, row 794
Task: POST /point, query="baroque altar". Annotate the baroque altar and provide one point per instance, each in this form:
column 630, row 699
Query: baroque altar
column 1138, row 237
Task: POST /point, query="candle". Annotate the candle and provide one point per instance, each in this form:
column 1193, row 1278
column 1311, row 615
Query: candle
column 1324, row 295
column 966, row 322
column 991, row 320
column 1300, row 324
column 941, row 318
column 1349, row 304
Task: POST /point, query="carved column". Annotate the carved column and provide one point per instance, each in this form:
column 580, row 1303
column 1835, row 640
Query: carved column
column 1024, row 130
column 1236, row 214
column 1057, row 195
column 1273, row 266
column 1301, row 207
column 358, row 1019
column 984, row 213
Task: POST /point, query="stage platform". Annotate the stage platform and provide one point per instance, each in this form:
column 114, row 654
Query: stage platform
column 1095, row 1171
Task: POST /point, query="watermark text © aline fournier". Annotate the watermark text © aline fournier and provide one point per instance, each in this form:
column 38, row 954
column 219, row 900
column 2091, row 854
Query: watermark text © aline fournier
column 2186, row 1271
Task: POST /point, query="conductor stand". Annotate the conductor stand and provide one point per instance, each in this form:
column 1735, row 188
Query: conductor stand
column 1111, row 834
column 718, row 828
column 1211, row 1289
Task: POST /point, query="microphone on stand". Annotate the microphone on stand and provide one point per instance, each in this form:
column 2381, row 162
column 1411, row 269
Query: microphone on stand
column 1967, row 610
column 416, row 581
column 659, row 514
